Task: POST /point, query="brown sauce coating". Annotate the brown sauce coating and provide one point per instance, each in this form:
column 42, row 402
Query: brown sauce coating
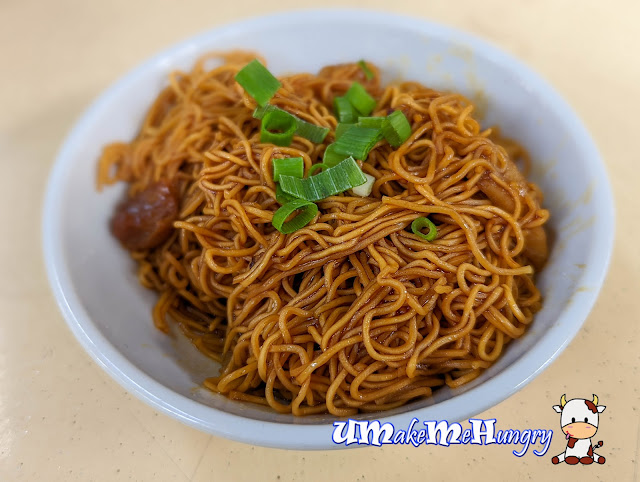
column 536, row 247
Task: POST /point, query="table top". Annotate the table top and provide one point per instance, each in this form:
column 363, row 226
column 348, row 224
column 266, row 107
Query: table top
column 63, row 419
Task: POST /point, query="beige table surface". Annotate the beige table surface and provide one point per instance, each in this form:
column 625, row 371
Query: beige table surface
column 63, row 419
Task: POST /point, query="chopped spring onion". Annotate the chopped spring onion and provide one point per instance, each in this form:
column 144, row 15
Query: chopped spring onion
column 332, row 157
column 357, row 142
column 372, row 122
column 290, row 166
column 345, row 112
column 396, row 128
column 365, row 189
column 311, row 131
column 346, row 175
column 278, row 127
column 261, row 110
column 341, row 128
column 258, row 81
column 315, row 167
column 307, row 210
column 282, row 197
column 367, row 71
column 376, row 122
column 422, row 222
column 305, row 129
column 359, row 98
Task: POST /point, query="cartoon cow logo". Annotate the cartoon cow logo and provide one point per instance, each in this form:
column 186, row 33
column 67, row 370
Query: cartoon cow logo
column 579, row 422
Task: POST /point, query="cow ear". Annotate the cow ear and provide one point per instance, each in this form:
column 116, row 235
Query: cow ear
column 558, row 408
column 601, row 408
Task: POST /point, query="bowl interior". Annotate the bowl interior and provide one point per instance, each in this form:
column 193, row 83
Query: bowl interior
column 110, row 312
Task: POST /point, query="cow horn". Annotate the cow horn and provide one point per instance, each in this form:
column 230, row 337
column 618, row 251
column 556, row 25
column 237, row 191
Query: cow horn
column 595, row 399
column 563, row 400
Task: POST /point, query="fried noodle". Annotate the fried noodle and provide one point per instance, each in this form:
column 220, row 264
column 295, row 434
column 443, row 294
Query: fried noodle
column 353, row 312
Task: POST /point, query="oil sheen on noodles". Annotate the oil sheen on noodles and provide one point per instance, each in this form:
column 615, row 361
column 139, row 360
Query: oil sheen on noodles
column 353, row 312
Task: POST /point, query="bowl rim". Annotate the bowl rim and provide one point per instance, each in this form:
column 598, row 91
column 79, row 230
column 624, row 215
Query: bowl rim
column 316, row 436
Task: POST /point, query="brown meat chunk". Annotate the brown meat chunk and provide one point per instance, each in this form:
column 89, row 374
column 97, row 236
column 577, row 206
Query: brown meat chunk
column 498, row 195
column 145, row 220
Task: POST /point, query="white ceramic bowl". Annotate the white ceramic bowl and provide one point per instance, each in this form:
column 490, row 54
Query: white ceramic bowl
column 93, row 278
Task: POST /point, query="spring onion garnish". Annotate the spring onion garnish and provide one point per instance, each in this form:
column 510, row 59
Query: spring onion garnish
column 345, row 112
column 341, row 128
column 396, row 128
column 373, row 122
column 258, row 81
column 359, row 98
column 367, row 71
column 290, row 166
column 332, row 157
column 305, row 129
column 365, row 189
column 311, row 131
column 315, row 167
column 422, row 222
column 307, row 212
column 278, row 127
column 261, row 110
column 376, row 122
column 281, row 196
column 346, row 175
column 357, row 142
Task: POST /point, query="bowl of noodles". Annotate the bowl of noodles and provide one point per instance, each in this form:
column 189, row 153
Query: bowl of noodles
column 265, row 228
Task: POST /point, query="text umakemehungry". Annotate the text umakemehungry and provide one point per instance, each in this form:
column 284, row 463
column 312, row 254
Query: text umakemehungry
column 432, row 432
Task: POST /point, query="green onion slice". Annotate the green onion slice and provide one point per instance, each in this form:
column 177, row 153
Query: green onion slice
column 396, row 128
column 332, row 157
column 304, row 129
column 422, row 222
column 290, row 166
column 307, row 212
column 345, row 112
column 281, row 196
column 311, row 131
column 261, row 110
column 359, row 98
column 353, row 141
column 315, row 167
column 367, row 71
column 357, row 142
column 258, row 81
column 346, row 175
column 278, row 127
column 375, row 122
column 341, row 128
